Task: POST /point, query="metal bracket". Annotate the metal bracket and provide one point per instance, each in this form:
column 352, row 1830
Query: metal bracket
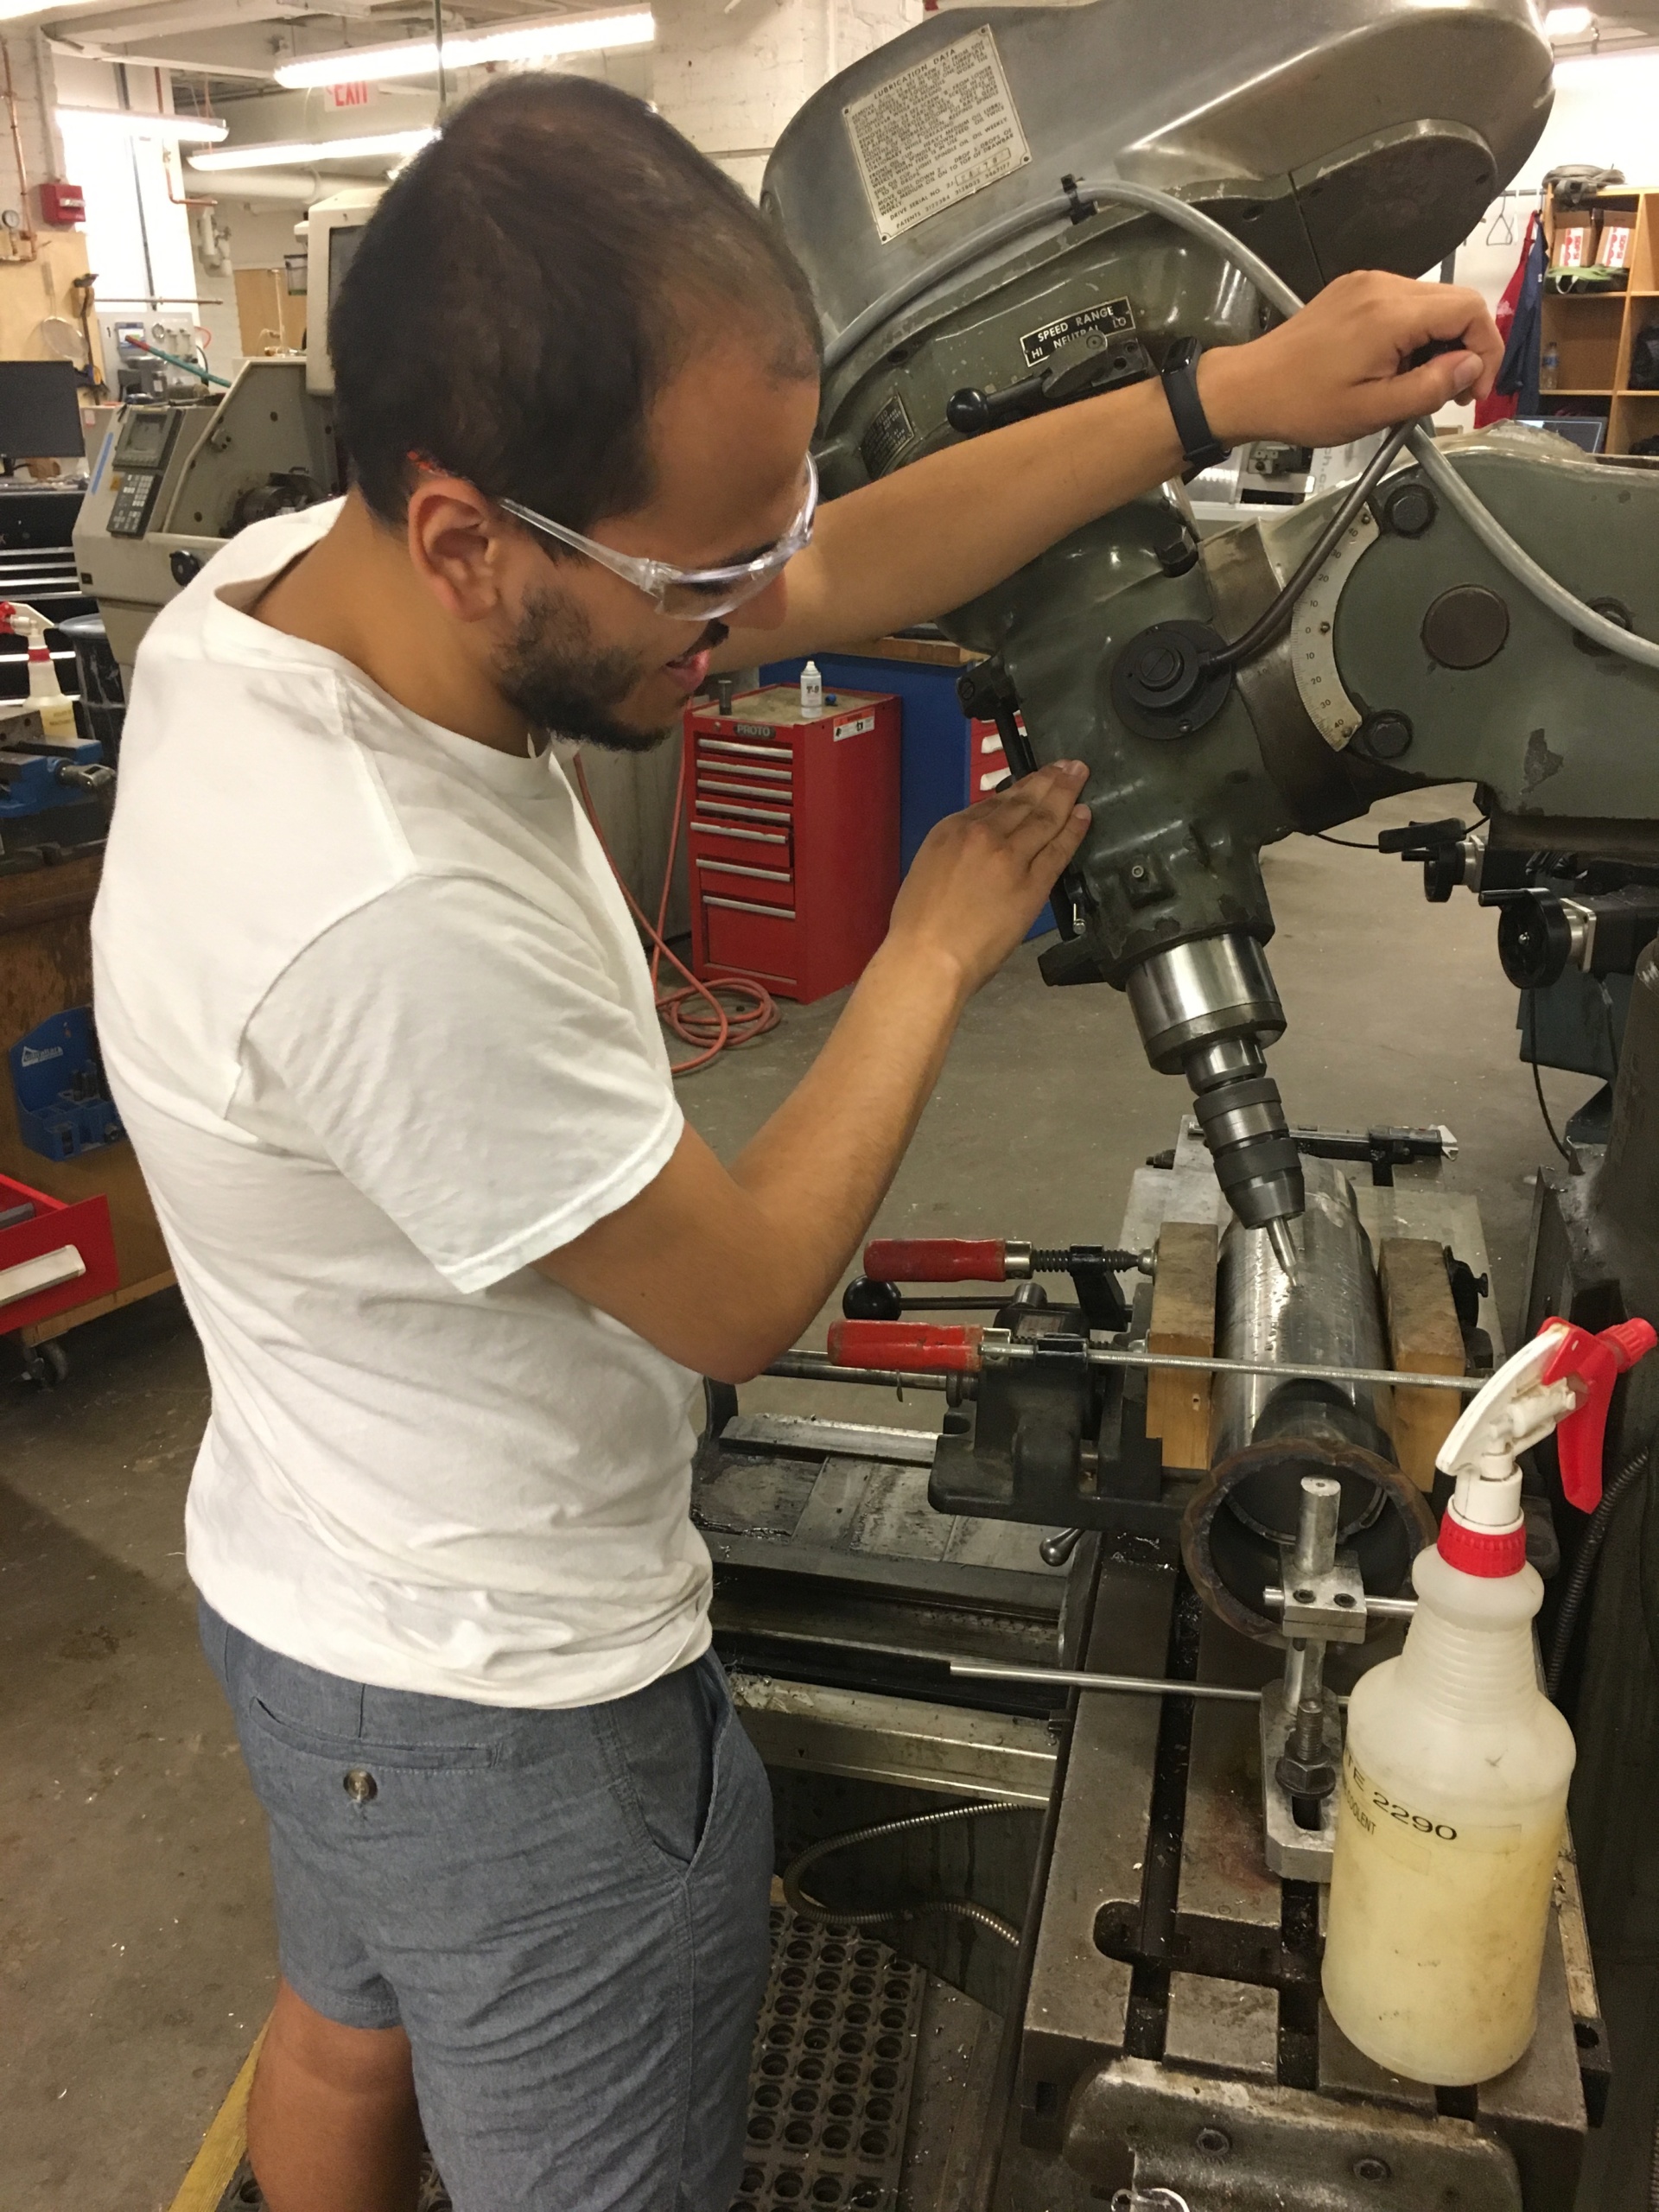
column 1254, row 2148
column 1293, row 1852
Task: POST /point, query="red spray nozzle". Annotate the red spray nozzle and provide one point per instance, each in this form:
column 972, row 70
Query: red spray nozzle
column 1597, row 1361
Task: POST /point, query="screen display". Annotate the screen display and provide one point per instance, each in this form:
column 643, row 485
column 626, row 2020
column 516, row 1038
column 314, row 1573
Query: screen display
column 40, row 411
column 143, row 439
column 343, row 242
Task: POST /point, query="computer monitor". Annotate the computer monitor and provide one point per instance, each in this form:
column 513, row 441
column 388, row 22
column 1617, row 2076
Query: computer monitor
column 40, row 410
column 1589, row 431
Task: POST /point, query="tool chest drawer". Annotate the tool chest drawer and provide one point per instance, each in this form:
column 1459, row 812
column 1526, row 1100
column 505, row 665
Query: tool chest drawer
column 792, row 832
column 741, row 937
column 54, row 1256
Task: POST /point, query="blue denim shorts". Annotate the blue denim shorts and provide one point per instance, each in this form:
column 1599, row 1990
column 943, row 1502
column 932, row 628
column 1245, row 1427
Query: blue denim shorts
column 565, row 1911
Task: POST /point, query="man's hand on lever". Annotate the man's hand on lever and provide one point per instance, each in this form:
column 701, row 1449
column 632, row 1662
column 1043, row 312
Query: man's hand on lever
column 723, row 1270
column 931, row 536
column 1339, row 370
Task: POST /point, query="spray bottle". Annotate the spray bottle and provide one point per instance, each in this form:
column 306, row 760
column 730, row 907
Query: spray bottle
column 57, row 714
column 1456, row 1767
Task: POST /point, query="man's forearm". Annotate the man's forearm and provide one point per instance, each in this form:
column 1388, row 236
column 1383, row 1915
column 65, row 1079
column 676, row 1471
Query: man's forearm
column 822, row 1165
column 938, row 532
column 934, row 535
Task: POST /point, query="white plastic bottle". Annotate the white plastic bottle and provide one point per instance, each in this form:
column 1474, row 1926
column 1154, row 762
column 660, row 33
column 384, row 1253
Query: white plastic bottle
column 811, row 690
column 1456, row 1768
column 57, row 714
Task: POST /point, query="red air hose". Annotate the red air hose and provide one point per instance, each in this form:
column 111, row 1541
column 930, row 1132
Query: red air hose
column 693, row 1010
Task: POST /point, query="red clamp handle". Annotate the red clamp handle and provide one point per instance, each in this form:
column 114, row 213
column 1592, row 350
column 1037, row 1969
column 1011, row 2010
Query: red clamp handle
column 936, row 1259
column 912, row 1346
column 1597, row 1361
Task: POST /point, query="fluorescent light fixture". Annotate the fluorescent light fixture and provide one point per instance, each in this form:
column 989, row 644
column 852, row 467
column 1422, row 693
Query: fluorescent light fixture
column 1568, row 22
column 301, row 153
column 544, row 42
column 131, row 123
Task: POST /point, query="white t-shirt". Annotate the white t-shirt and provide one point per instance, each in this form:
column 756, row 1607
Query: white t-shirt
column 382, row 1033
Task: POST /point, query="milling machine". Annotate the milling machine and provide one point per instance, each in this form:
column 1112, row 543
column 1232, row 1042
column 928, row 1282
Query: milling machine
column 181, row 472
column 1229, row 1461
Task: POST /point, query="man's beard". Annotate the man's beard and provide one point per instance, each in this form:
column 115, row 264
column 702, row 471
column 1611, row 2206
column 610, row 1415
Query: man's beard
column 565, row 684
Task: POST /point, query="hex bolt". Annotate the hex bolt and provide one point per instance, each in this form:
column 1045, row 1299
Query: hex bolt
column 1214, row 2142
column 1372, row 2170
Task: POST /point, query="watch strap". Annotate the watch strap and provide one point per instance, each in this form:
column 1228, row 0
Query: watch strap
column 1200, row 446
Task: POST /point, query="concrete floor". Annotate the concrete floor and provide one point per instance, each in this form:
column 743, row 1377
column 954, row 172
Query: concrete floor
column 135, row 1930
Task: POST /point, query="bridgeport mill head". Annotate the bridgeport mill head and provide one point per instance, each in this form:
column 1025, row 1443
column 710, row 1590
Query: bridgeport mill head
column 1326, row 135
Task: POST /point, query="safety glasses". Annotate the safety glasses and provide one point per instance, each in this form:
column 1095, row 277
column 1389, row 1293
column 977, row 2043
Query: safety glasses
column 689, row 594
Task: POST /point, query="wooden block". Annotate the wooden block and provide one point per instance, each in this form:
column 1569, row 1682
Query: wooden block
column 1183, row 1322
column 1424, row 1336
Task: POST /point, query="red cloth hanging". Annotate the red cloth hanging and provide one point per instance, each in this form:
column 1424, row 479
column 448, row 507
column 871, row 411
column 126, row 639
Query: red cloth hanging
column 1500, row 406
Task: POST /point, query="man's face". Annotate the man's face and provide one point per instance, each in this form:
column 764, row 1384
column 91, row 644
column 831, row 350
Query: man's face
column 589, row 655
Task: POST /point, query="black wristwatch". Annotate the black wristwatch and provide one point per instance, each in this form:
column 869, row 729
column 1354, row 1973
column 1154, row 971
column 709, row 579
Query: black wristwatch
column 1199, row 443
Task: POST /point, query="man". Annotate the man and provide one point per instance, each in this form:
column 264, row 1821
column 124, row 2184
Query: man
column 383, row 1035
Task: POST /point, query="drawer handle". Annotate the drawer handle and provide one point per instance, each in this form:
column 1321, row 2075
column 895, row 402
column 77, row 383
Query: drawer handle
column 757, row 751
column 30, row 1277
column 736, row 867
column 749, row 836
column 749, row 906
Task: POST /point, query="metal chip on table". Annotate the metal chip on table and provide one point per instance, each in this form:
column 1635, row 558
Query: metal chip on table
column 829, row 2085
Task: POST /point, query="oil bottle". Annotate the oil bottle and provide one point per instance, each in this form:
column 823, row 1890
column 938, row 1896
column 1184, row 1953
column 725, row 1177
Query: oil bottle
column 1456, row 1767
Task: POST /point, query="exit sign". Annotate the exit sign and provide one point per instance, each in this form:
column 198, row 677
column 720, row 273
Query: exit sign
column 348, row 95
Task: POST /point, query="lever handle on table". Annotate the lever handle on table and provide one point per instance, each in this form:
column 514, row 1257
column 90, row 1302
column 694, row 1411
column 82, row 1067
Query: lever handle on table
column 936, row 1259
column 912, row 1347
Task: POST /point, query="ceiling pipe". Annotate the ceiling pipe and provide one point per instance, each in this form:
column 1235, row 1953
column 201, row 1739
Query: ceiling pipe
column 283, row 187
column 183, row 65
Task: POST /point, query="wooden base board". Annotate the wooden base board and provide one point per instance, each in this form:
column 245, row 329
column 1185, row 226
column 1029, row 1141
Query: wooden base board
column 223, row 2145
column 40, row 1332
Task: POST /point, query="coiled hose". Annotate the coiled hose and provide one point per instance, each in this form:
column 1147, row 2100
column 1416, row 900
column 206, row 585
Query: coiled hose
column 958, row 1908
column 1584, row 1568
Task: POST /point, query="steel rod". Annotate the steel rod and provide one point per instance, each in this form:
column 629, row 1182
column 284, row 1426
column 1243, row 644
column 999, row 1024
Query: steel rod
column 1067, row 1679
column 1109, row 1356
column 816, row 1366
column 1386, row 1609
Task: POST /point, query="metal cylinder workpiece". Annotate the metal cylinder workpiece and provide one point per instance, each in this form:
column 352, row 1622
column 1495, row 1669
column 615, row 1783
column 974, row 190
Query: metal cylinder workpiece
column 1270, row 1433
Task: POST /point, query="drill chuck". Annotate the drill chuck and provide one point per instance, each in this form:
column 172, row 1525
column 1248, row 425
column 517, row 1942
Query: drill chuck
column 1207, row 1008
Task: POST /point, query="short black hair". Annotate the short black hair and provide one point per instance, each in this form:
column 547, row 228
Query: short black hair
column 528, row 286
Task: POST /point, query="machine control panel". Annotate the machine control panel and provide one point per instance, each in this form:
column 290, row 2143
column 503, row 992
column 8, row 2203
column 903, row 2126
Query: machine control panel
column 140, row 462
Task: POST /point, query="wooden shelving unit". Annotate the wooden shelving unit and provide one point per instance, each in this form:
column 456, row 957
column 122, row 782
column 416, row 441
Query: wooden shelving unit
column 1595, row 332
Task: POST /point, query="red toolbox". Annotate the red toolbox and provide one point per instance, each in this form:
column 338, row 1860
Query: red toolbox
column 53, row 1255
column 792, row 833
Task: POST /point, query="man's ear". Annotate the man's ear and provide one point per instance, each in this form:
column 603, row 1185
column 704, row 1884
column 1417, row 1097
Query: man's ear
column 456, row 546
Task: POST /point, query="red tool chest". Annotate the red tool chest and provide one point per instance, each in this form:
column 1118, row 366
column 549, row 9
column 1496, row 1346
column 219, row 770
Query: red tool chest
column 54, row 1256
column 793, row 833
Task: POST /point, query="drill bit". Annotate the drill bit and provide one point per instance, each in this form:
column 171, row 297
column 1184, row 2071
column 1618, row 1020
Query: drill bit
column 1284, row 1248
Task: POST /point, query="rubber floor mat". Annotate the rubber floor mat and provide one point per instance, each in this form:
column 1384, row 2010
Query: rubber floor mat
column 829, row 2087
column 830, row 2081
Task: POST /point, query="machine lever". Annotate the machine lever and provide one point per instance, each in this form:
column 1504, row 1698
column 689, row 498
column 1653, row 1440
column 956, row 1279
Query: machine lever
column 945, row 1259
column 919, row 1346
